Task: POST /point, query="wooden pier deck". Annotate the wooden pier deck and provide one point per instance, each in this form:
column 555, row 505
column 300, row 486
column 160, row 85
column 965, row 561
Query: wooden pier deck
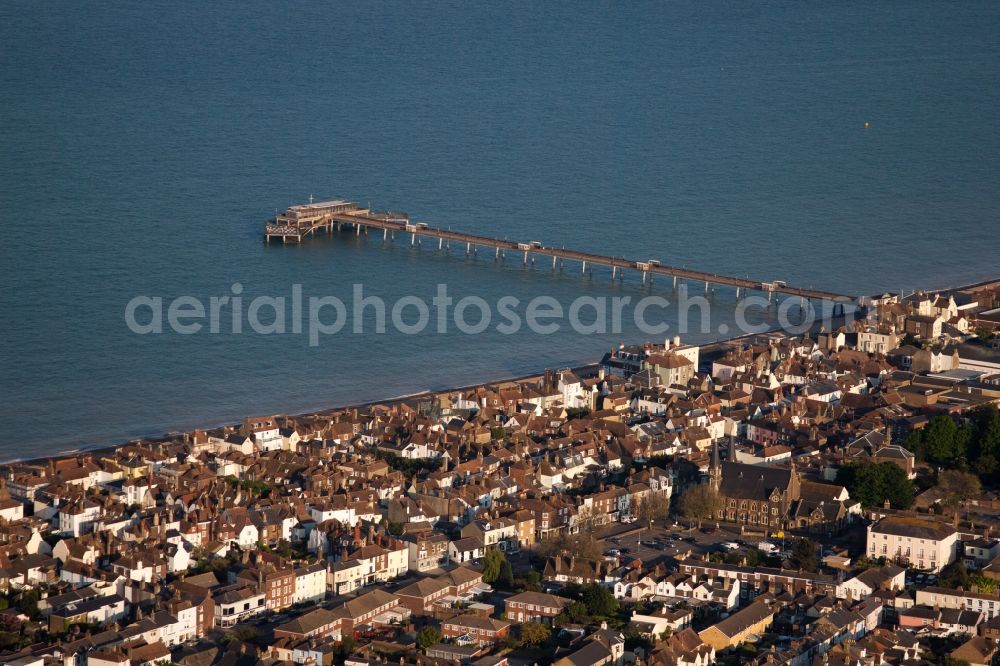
column 300, row 222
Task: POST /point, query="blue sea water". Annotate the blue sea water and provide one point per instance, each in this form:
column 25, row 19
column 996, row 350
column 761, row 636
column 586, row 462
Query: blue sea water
column 142, row 145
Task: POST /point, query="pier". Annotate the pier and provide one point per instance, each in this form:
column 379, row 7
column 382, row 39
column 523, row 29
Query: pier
column 301, row 221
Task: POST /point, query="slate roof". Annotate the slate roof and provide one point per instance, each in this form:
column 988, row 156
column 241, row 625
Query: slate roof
column 752, row 482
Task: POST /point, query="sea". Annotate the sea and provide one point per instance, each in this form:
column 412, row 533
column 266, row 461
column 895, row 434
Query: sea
column 850, row 146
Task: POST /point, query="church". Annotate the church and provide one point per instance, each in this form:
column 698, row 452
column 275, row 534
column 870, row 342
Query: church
column 775, row 498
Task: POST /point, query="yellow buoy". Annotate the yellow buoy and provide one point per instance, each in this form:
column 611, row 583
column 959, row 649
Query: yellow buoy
column 867, row 125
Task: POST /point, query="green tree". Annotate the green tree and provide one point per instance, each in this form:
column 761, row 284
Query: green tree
column 984, row 584
column 955, row 575
column 985, row 424
column 532, row 581
column 700, row 502
column 804, row 554
column 872, row 484
column 577, row 612
column 428, row 636
column 986, row 465
column 29, row 602
column 599, row 599
column 634, row 639
column 534, row 633
column 939, row 441
column 493, row 563
column 344, row 648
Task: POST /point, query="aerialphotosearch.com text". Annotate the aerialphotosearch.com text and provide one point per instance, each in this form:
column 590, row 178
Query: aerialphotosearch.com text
column 321, row 316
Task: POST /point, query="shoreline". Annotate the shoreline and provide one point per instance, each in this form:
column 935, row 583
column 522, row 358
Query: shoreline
column 580, row 368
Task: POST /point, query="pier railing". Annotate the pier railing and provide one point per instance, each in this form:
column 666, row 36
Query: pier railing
column 392, row 223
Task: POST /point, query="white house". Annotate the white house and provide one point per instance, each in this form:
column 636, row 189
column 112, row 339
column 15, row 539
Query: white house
column 924, row 544
column 11, row 510
column 941, row 597
column 78, row 517
column 237, row 603
column 310, row 582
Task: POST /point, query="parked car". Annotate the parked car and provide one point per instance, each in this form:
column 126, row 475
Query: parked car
column 768, row 547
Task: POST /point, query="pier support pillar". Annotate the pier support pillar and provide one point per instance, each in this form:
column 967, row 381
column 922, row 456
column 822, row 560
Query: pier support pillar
column 413, row 239
column 440, row 244
column 614, row 271
column 357, row 228
column 737, row 292
column 553, row 262
column 675, row 282
column 498, row 253
column 524, row 262
column 467, row 247
column 385, row 234
column 584, row 267
column 706, row 287
column 644, row 275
